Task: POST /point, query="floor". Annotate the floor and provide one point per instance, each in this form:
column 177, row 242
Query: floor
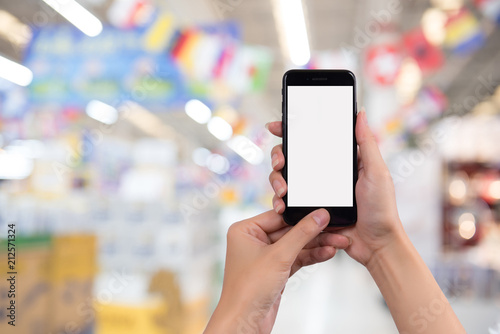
column 340, row 297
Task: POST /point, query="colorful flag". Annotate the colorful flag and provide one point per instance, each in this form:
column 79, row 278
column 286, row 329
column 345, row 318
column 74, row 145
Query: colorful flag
column 128, row 14
column 218, row 63
column 463, row 33
column 428, row 57
column 159, row 33
column 383, row 63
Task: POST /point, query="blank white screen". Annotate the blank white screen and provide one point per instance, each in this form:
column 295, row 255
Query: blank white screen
column 320, row 145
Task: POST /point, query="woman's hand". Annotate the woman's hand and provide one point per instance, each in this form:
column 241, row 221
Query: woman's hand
column 262, row 253
column 378, row 222
column 380, row 243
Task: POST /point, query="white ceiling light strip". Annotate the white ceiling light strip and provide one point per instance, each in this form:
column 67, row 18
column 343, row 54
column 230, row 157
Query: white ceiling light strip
column 77, row 15
column 292, row 30
column 15, row 72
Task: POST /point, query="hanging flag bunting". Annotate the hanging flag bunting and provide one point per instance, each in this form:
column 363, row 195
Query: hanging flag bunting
column 463, row 33
column 128, row 14
column 249, row 69
column 160, row 32
column 428, row 57
column 332, row 59
column 184, row 49
column 383, row 63
column 224, row 60
column 218, row 63
column 490, row 9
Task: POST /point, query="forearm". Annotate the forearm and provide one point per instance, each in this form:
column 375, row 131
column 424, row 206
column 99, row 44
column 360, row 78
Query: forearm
column 415, row 300
column 226, row 317
column 221, row 322
column 233, row 316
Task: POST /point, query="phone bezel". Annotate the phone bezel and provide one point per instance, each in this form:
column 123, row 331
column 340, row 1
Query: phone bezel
column 339, row 216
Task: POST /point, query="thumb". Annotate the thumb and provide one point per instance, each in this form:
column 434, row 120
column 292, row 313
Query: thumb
column 368, row 148
column 301, row 234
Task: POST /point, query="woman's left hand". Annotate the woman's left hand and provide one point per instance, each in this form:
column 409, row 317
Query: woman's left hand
column 262, row 253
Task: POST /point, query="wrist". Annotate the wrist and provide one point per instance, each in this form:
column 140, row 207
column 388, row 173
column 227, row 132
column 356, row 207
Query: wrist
column 396, row 248
column 223, row 320
column 227, row 316
column 396, row 264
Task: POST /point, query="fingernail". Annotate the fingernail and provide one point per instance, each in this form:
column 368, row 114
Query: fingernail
column 350, row 240
column 267, row 125
column 320, row 217
column 278, row 188
column 278, row 207
column 275, row 159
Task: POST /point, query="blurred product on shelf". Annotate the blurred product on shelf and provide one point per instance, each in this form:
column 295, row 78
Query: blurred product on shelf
column 32, row 259
column 55, row 276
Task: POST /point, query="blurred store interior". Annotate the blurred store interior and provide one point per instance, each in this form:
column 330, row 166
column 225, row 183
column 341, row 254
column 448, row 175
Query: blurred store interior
column 132, row 135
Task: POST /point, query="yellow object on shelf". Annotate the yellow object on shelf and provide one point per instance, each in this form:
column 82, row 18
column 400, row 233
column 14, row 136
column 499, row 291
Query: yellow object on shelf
column 124, row 319
column 54, row 277
column 31, row 287
column 73, row 257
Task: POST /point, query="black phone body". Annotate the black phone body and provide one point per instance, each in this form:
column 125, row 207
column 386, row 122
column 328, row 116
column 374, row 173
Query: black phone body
column 319, row 144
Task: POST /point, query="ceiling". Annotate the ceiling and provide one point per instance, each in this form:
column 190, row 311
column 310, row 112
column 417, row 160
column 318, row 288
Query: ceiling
column 330, row 23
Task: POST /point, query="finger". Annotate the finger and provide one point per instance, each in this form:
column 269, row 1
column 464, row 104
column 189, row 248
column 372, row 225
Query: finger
column 371, row 158
column 289, row 246
column 309, row 257
column 275, row 128
column 348, row 232
column 268, row 221
column 278, row 204
column 329, row 239
column 278, row 183
column 360, row 162
column 277, row 157
column 322, row 240
column 276, row 235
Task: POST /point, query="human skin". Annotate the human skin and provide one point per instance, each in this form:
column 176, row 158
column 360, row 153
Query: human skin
column 380, row 243
column 263, row 252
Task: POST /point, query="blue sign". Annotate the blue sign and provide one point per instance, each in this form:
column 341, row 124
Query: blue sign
column 70, row 68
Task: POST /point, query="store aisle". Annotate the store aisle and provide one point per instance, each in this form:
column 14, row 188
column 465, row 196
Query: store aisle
column 338, row 296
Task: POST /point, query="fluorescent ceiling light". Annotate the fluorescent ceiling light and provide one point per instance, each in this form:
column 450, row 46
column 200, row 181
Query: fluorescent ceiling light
column 409, row 80
column 198, row 111
column 14, row 30
column 221, row 129
column 28, row 148
column 291, row 24
column 448, row 4
column 77, row 15
column 247, row 149
column 15, row 72
column 217, row 163
column 494, row 189
column 433, row 25
column 102, row 112
column 467, row 225
column 14, row 166
column 200, row 156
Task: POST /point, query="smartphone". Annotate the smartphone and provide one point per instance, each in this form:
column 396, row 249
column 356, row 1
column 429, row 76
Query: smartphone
column 319, row 144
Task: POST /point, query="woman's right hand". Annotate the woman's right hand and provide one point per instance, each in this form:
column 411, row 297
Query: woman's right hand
column 378, row 224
